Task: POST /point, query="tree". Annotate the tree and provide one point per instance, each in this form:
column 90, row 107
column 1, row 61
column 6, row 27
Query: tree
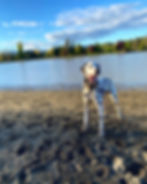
column 98, row 48
column 50, row 53
column 90, row 49
column 20, row 51
column 2, row 57
column 120, row 46
column 128, row 46
column 108, row 48
column 78, row 50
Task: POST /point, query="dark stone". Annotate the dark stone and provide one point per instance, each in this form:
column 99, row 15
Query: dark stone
column 134, row 168
column 57, row 154
column 102, row 147
column 144, row 180
column 70, row 156
column 109, row 160
column 9, row 124
column 100, row 173
column 87, row 160
column 6, row 178
column 122, row 181
column 47, row 142
column 22, row 149
column 22, row 175
column 81, row 150
column 145, row 147
column 120, row 143
column 57, row 181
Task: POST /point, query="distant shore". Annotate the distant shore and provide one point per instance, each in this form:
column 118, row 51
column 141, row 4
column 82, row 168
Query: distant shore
column 69, row 50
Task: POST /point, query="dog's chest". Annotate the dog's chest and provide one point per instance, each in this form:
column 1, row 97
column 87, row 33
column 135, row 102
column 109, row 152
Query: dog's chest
column 104, row 85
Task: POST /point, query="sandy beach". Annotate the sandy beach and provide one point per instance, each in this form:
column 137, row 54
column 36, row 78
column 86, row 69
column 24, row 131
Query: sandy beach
column 41, row 141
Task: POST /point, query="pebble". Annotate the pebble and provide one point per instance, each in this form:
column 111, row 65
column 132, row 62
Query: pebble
column 144, row 155
column 118, row 164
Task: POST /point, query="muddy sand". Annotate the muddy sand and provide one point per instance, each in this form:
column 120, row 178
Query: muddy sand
column 41, row 141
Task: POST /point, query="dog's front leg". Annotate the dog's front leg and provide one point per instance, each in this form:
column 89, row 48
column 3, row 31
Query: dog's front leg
column 98, row 100
column 101, row 120
column 85, row 116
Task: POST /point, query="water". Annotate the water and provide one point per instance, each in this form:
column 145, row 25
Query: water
column 126, row 70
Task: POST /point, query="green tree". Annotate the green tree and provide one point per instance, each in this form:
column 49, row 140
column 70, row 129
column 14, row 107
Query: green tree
column 78, row 50
column 50, row 53
column 128, row 46
column 20, row 51
column 1, row 57
column 98, row 48
column 108, row 48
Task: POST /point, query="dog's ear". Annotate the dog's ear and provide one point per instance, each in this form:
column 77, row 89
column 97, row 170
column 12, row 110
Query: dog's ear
column 82, row 68
column 98, row 67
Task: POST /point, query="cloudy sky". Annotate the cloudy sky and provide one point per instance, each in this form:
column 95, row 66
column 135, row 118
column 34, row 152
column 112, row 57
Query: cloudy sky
column 44, row 23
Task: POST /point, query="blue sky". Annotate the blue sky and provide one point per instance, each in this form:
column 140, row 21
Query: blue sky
column 44, row 23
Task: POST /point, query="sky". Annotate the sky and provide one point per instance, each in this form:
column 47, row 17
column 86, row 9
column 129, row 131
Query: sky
column 42, row 24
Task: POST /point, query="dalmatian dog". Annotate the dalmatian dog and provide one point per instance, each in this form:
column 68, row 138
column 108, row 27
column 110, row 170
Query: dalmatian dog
column 94, row 89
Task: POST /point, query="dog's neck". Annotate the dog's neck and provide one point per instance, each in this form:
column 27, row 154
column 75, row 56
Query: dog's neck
column 89, row 85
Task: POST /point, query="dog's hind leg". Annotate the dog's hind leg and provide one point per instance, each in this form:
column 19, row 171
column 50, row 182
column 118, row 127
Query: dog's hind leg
column 100, row 109
column 114, row 100
column 85, row 115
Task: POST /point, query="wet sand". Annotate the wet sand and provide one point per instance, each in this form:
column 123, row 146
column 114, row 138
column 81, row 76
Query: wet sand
column 41, row 141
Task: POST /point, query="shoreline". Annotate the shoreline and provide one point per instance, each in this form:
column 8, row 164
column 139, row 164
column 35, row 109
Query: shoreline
column 68, row 57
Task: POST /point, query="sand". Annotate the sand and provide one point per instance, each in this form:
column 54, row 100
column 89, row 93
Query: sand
column 41, row 141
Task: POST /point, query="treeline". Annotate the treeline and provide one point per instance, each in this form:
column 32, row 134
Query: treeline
column 69, row 50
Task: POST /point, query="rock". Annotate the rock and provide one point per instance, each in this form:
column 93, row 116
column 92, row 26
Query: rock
column 144, row 155
column 22, row 148
column 128, row 176
column 22, row 176
column 120, row 143
column 102, row 172
column 122, row 181
column 144, row 180
column 144, row 147
column 134, row 180
column 6, row 178
column 118, row 164
column 43, row 147
column 134, row 168
column 78, row 167
column 81, row 150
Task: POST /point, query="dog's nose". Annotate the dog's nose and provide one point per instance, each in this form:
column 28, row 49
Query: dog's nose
column 92, row 78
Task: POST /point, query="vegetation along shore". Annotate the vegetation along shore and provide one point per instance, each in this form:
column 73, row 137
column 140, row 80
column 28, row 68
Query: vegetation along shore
column 70, row 50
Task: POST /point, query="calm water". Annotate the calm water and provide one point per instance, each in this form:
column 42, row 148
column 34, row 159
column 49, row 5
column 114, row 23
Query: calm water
column 127, row 70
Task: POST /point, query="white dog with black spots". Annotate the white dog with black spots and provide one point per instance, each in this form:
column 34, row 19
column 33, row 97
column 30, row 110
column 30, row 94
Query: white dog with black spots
column 95, row 88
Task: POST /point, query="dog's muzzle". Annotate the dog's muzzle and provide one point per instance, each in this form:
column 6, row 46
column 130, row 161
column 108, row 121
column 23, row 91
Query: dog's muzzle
column 92, row 79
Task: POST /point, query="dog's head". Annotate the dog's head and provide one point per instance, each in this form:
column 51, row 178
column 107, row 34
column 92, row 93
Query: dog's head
column 91, row 71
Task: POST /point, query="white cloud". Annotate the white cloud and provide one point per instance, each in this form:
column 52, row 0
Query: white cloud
column 94, row 22
column 20, row 24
